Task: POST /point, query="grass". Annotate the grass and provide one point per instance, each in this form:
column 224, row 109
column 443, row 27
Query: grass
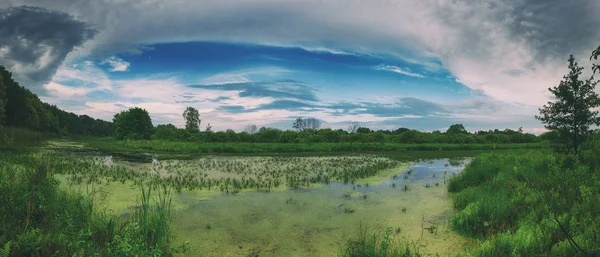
column 37, row 218
column 374, row 243
column 12, row 138
column 533, row 204
column 185, row 148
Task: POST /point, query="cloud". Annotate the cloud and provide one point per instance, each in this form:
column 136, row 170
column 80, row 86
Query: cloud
column 396, row 69
column 241, row 76
column 288, row 89
column 116, row 63
column 511, row 50
column 35, row 41
column 403, row 107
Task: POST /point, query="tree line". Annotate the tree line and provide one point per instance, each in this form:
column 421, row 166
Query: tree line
column 136, row 124
column 21, row 108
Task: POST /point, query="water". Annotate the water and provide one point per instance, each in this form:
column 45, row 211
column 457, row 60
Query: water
column 313, row 222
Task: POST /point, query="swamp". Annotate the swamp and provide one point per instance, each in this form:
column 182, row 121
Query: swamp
column 279, row 206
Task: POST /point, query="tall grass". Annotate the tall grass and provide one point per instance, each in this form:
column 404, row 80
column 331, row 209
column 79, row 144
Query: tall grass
column 376, row 244
column 37, row 218
column 11, row 138
column 528, row 204
column 154, row 219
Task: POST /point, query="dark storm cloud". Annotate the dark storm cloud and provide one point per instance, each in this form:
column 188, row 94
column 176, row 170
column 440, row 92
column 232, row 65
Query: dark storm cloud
column 35, row 41
column 555, row 28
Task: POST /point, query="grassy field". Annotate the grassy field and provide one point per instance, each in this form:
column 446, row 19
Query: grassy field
column 533, row 204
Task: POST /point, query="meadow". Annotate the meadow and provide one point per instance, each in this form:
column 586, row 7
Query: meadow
column 535, row 204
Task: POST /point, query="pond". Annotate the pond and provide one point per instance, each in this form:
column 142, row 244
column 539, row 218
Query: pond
column 315, row 221
column 311, row 220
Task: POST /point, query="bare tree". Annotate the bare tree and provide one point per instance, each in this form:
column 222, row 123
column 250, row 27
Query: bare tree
column 251, row 129
column 312, row 123
column 299, row 124
column 353, row 127
column 309, row 123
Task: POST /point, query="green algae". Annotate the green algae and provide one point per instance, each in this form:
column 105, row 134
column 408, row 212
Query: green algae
column 311, row 221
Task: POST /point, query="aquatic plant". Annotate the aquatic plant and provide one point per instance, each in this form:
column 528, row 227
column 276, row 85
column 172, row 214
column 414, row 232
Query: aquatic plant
column 377, row 244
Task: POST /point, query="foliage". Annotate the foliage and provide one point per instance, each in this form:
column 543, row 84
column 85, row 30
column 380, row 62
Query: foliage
column 11, row 138
column 363, row 135
column 26, row 110
column 529, row 204
column 134, row 123
column 456, row 129
column 571, row 115
column 171, row 133
column 39, row 219
column 376, row 244
column 595, row 54
column 192, row 119
column 162, row 146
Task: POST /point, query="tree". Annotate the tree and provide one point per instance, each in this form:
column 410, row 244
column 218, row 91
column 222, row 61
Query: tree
column 595, row 54
column 2, row 101
column 353, row 127
column 209, row 128
column 165, row 132
column 363, row 130
column 134, row 123
column 251, row 129
column 312, row 123
column 571, row 114
column 299, row 124
column 457, row 129
column 192, row 119
column 308, row 123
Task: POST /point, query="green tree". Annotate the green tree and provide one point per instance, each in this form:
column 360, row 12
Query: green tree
column 165, row 132
column 134, row 123
column 457, row 129
column 595, row 54
column 2, row 100
column 192, row 119
column 571, row 114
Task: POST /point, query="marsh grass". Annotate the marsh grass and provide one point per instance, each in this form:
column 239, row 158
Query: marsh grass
column 11, row 138
column 377, row 243
column 37, row 218
column 230, row 175
column 533, row 204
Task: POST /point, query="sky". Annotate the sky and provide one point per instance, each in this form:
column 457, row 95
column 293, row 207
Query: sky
column 420, row 64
